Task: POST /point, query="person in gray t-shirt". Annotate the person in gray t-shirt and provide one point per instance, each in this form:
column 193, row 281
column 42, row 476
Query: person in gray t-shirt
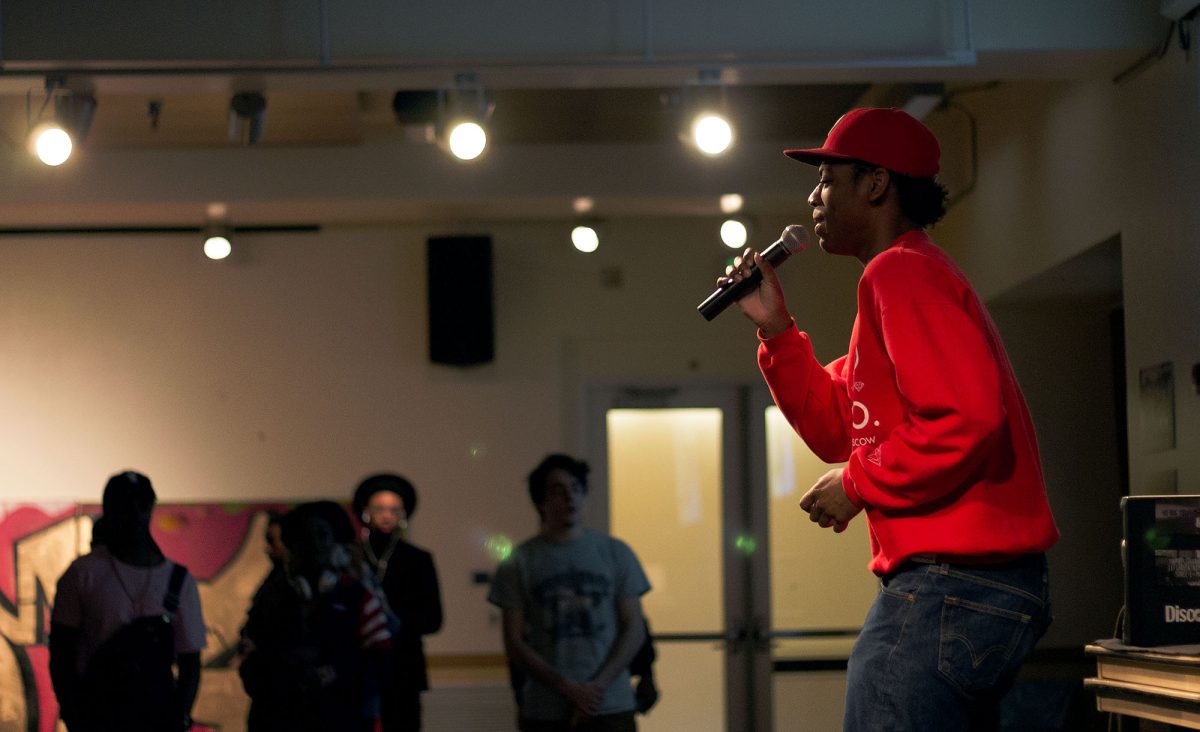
column 571, row 599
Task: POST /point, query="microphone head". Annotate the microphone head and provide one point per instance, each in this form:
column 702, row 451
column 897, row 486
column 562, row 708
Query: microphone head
column 794, row 238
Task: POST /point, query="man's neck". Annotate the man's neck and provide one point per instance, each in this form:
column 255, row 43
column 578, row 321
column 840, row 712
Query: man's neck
column 138, row 554
column 379, row 540
column 560, row 534
column 884, row 235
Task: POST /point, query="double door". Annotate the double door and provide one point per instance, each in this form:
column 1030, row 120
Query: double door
column 753, row 607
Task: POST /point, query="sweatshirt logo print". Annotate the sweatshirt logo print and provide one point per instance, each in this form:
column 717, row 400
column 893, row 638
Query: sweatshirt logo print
column 860, row 417
column 855, row 409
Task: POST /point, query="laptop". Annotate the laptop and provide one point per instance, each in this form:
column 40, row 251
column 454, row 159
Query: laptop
column 1161, row 554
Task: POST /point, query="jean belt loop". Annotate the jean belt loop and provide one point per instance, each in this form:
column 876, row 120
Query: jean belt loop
column 930, row 559
column 936, row 563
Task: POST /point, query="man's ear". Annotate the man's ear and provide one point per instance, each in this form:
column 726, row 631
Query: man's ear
column 881, row 180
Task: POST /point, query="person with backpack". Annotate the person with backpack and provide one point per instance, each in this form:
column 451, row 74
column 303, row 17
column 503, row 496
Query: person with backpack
column 125, row 618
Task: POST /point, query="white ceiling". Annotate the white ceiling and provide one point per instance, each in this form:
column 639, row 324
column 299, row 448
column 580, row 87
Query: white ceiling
column 583, row 96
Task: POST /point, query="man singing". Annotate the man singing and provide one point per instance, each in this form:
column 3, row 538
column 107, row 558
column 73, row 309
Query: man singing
column 939, row 447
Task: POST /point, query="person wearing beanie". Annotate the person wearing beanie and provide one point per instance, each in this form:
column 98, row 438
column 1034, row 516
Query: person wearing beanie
column 123, row 615
column 926, row 414
column 385, row 502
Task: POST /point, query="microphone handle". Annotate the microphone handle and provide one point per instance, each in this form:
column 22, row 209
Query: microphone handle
column 716, row 303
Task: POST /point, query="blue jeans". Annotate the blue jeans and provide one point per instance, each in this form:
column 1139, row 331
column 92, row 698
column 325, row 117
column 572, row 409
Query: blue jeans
column 943, row 642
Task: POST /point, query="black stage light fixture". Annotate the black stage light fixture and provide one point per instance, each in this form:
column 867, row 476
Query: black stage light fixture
column 61, row 123
column 463, row 114
column 247, row 117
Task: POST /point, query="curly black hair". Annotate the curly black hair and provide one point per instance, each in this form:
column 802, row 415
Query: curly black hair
column 923, row 200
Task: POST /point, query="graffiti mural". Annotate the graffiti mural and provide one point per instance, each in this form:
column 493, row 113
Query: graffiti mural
column 221, row 544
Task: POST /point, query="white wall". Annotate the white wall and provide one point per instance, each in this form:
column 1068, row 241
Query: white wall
column 1064, row 364
column 1066, row 166
column 301, row 365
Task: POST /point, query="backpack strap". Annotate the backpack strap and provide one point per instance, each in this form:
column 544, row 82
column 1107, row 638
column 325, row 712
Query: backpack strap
column 174, row 586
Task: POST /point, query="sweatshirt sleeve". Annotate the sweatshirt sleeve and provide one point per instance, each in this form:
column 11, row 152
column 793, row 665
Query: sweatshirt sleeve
column 935, row 335
column 812, row 398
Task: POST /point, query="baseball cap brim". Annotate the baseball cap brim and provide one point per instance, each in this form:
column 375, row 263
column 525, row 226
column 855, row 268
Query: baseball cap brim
column 816, row 155
column 889, row 138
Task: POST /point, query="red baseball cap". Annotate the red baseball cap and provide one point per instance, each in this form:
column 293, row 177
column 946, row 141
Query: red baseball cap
column 890, row 138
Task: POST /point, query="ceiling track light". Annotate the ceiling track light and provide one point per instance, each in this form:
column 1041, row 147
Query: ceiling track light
column 704, row 119
column 416, row 112
column 218, row 240
column 585, row 236
column 247, row 117
column 61, row 123
column 463, row 112
column 735, row 231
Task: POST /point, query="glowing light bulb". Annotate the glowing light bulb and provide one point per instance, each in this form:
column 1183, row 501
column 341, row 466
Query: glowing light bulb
column 712, row 134
column 467, row 140
column 734, row 234
column 585, row 238
column 217, row 247
column 53, row 146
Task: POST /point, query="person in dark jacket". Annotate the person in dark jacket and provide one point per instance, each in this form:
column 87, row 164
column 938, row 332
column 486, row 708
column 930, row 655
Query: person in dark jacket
column 386, row 502
column 315, row 637
column 264, row 604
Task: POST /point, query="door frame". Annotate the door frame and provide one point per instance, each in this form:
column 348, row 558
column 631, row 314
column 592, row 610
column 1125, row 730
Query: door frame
column 746, row 602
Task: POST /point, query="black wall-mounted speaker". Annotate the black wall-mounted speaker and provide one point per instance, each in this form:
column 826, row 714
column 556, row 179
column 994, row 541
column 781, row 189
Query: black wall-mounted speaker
column 461, row 312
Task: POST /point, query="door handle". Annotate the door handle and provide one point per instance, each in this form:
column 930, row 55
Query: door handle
column 760, row 635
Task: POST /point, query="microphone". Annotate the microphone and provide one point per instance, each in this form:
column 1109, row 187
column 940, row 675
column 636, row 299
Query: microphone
column 793, row 239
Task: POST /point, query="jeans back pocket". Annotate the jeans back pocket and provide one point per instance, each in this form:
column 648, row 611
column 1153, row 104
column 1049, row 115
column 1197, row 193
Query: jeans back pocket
column 980, row 643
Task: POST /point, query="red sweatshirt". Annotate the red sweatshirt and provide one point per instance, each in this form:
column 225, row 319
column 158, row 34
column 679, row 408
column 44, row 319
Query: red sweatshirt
column 926, row 409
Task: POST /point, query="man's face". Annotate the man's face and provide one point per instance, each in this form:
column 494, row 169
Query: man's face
column 385, row 511
column 565, row 499
column 276, row 551
column 839, row 203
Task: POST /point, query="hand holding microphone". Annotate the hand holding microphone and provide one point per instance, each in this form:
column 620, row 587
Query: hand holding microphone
column 793, row 239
